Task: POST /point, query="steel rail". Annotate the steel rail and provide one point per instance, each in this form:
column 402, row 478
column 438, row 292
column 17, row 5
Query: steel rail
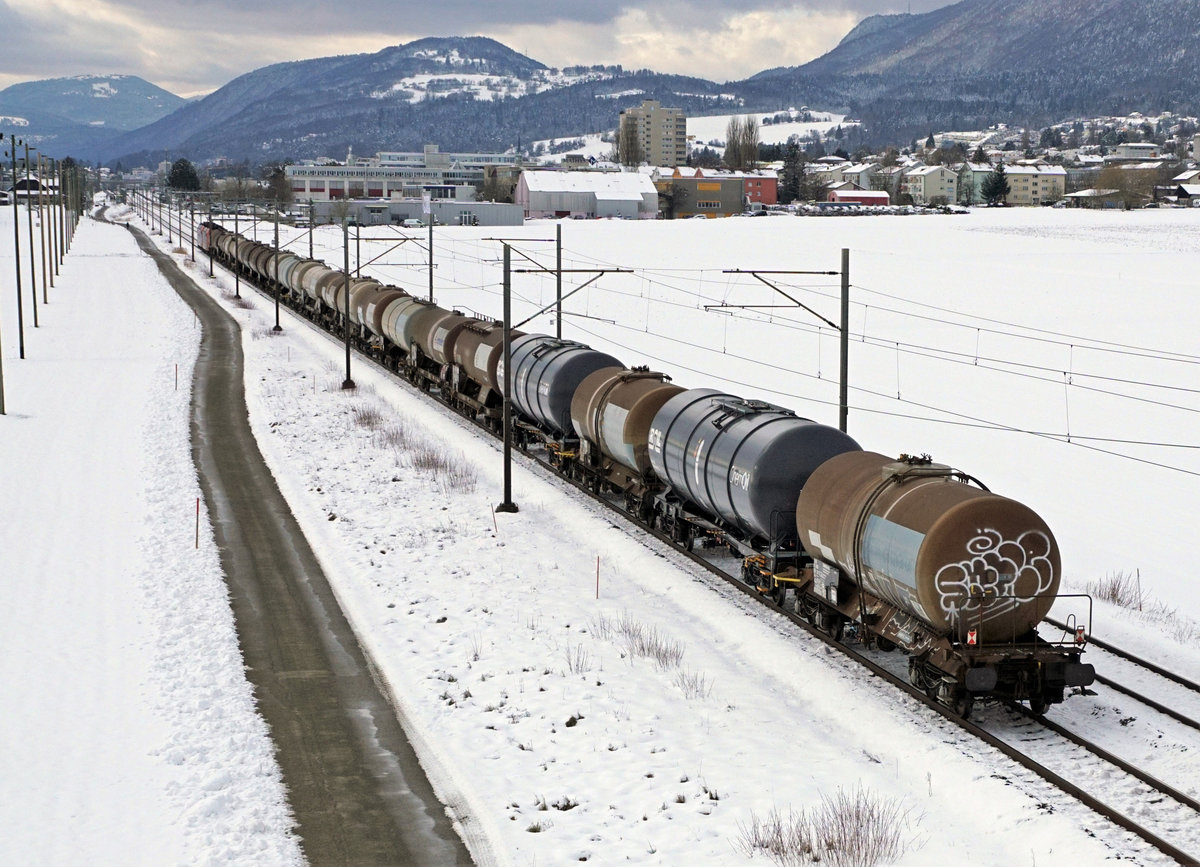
column 1129, row 657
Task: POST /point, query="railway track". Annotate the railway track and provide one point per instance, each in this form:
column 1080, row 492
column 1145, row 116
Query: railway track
column 1124, row 802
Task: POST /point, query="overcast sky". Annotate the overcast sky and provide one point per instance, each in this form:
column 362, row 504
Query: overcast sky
column 192, row 47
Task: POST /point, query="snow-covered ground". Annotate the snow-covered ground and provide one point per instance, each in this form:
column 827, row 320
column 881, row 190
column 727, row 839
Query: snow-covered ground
column 501, row 636
column 129, row 733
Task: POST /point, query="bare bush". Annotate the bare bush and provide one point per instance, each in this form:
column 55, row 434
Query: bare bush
column 237, row 300
column 648, row 642
column 578, row 659
column 394, row 436
column 368, row 417
column 693, row 685
column 1119, row 588
column 848, row 829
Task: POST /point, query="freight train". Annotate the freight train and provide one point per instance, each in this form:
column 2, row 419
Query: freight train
column 900, row 552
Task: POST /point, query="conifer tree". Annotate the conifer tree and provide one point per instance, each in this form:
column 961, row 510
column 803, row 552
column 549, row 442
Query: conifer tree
column 995, row 187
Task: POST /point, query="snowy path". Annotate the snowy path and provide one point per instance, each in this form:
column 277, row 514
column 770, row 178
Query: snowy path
column 353, row 782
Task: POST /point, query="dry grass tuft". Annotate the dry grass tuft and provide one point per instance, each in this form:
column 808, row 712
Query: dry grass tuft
column 848, row 829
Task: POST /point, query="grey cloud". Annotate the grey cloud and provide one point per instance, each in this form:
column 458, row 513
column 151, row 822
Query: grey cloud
column 221, row 39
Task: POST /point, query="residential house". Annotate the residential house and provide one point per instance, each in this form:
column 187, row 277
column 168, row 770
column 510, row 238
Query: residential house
column 863, row 175
column 1188, row 194
column 630, row 195
column 931, row 185
column 1034, row 184
column 827, row 170
column 760, row 187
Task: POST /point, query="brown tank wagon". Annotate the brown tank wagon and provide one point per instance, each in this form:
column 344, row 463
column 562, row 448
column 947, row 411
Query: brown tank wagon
column 612, row 411
column 972, row 570
column 361, row 293
column 376, row 306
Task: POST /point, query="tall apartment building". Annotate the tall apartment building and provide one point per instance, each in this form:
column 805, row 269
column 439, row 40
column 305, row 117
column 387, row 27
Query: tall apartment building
column 660, row 132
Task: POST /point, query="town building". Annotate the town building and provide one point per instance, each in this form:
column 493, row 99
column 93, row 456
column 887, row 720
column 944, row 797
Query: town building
column 705, row 195
column 1136, row 151
column 1096, row 198
column 401, row 212
column 930, row 185
column 851, row 194
column 1039, row 184
column 629, row 195
column 827, row 170
column 660, row 132
column 391, row 174
column 862, row 175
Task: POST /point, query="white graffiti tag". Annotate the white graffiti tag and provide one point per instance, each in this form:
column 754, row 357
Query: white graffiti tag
column 994, row 569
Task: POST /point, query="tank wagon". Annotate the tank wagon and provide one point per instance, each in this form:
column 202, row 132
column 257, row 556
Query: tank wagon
column 904, row 553
column 956, row 575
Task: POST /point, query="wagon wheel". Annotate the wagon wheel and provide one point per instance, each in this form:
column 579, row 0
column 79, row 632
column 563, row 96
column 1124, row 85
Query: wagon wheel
column 1038, row 704
column 963, row 702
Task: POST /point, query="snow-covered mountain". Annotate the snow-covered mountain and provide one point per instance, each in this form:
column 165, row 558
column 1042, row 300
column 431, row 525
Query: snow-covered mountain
column 1026, row 61
column 463, row 93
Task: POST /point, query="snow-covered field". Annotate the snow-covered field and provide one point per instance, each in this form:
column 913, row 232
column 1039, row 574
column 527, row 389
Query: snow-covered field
column 713, row 127
column 503, row 648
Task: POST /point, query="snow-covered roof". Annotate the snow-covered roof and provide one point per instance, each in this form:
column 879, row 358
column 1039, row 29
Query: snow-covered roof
column 603, row 184
column 1186, row 177
column 861, row 194
column 1091, row 194
column 925, row 171
column 1035, row 170
column 1192, row 190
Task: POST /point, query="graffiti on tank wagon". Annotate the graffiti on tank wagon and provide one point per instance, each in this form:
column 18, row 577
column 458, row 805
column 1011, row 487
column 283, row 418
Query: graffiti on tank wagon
column 993, row 570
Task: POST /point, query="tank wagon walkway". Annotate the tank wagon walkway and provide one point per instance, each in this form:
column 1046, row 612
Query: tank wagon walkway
column 355, row 787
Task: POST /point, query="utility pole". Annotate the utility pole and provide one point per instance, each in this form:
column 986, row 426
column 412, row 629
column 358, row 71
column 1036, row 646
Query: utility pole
column 47, row 277
column 508, row 505
column 431, row 254
column 277, row 327
column 17, row 249
column 56, row 215
column 843, row 329
column 237, row 279
column 29, row 213
column 210, row 245
column 347, row 383
column 558, row 281
column 844, row 388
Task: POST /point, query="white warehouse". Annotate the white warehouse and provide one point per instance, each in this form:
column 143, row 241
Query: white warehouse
column 630, row 195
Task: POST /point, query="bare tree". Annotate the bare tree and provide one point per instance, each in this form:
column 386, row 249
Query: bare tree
column 749, row 143
column 733, row 143
column 629, row 145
